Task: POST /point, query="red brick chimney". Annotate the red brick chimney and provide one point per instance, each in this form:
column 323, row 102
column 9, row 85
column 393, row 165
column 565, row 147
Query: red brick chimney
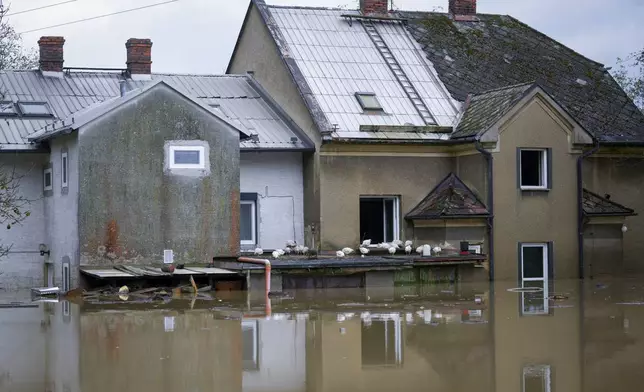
column 369, row 7
column 139, row 58
column 51, row 55
column 462, row 9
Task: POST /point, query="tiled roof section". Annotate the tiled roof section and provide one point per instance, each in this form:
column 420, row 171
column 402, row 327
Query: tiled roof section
column 451, row 198
column 499, row 51
column 337, row 59
column 239, row 98
column 595, row 205
column 487, row 108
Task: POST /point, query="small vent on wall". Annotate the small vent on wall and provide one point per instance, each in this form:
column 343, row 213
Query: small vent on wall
column 168, row 256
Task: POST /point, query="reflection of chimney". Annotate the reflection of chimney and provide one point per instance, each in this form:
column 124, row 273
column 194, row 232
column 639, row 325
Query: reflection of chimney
column 51, row 55
column 368, row 7
column 462, row 9
column 139, row 58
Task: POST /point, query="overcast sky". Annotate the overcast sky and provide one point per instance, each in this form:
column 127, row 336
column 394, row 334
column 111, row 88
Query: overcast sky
column 197, row 36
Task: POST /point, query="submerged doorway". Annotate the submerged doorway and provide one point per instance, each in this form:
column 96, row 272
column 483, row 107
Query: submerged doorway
column 379, row 219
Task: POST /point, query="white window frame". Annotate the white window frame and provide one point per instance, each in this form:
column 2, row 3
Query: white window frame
column 200, row 149
column 253, row 204
column 360, row 96
column 544, row 279
column 545, row 371
column 397, row 320
column 544, row 169
column 49, row 171
column 475, row 248
column 396, row 223
column 252, row 325
column 64, row 170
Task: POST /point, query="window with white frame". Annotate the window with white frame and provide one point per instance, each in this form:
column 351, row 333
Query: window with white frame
column 187, row 157
column 536, row 378
column 64, row 170
column 368, row 101
column 534, row 279
column 248, row 224
column 250, row 349
column 48, row 179
column 533, row 168
column 379, row 218
column 381, row 337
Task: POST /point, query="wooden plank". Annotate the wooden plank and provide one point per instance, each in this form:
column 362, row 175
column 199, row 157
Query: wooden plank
column 211, row 271
column 107, row 273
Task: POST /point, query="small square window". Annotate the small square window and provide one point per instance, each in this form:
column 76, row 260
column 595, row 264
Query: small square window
column 36, row 109
column 368, row 101
column 63, row 171
column 187, row 157
column 47, row 179
column 533, row 168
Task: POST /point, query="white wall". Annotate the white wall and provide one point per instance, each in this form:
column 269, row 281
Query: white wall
column 278, row 180
column 23, row 267
column 282, row 358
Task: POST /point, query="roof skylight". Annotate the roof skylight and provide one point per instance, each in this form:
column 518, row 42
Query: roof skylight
column 368, row 101
column 7, row 108
column 36, row 109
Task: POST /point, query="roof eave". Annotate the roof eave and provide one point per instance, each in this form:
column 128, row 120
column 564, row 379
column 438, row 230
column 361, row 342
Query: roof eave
column 441, row 217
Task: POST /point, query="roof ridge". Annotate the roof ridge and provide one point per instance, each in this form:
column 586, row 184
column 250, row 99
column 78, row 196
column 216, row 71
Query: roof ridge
column 609, row 201
column 505, row 88
column 305, row 7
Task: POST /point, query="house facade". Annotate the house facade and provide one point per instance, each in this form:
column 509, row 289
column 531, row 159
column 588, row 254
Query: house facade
column 455, row 126
column 121, row 166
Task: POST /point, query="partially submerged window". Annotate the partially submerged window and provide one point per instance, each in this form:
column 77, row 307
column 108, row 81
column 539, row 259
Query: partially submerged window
column 35, row 109
column 248, row 214
column 379, row 218
column 187, row 157
column 381, row 340
column 368, row 101
column 48, row 179
column 64, row 169
column 250, row 349
column 7, row 109
column 535, row 267
column 533, row 168
column 536, row 378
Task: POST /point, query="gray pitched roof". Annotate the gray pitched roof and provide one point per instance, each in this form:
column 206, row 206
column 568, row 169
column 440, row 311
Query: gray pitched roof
column 451, row 198
column 499, row 51
column 239, row 98
column 595, row 205
column 331, row 59
column 483, row 110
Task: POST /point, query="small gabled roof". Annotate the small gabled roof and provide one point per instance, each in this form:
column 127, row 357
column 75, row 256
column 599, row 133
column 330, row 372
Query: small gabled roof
column 451, row 198
column 595, row 205
column 98, row 110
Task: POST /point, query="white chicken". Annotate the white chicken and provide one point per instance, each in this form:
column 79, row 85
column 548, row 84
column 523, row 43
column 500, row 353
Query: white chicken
column 408, row 249
column 339, row 253
column 258, row 251
column 280, row 251
column 437, row 250
column 305, row 250
column 419, row 250
column 276, row 254
column 364, row 251
column 288, row 250
column 366, row 242
column 384, row 245
column 290, row 244
column 408, row 243
column 298, row 249
column 397, row 243
column 392, row 250
column 347, row 251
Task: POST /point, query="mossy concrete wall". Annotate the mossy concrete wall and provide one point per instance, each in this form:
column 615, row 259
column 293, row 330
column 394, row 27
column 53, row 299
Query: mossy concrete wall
column 131, row 209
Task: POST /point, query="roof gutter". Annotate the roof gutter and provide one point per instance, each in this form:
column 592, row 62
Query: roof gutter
column 490, row 203
column 580, row 206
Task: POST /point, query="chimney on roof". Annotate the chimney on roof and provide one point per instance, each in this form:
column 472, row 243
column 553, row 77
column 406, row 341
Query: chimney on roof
column 370, row 7
column 51, row 55
column 139, row 58
column 462, row 7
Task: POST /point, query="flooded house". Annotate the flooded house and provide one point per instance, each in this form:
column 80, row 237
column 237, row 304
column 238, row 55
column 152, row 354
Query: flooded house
column 455, row 126
column 123, row 166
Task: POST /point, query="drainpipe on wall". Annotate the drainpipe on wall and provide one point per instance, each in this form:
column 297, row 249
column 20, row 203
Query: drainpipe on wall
column 580, row 206
column 490, row 202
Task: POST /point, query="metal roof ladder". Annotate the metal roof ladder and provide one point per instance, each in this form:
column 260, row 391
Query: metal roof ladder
column 397, row 70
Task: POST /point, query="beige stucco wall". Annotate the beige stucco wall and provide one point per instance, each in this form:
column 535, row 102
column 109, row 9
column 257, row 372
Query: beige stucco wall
column 257, row 52
column 472, row 170
column 345, row 178
column 621, row 175
column 535, row 216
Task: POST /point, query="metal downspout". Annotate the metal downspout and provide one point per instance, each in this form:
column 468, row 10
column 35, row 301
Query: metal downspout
column 490, row 204
column 580, row 206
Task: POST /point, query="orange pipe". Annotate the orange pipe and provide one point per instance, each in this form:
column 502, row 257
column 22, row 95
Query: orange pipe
column 267, row 276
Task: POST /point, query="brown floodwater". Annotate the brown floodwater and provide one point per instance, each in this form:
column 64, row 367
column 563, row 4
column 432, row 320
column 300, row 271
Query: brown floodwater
column 450, row 337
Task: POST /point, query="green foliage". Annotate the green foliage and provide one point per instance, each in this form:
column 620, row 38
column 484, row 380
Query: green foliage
column 630, row 75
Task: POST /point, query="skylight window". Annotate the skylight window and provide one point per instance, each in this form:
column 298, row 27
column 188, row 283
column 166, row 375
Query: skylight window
column 368, row 101
column 7, row 108
column 36, row 109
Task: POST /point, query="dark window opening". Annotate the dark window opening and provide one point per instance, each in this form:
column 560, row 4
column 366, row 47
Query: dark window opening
column 533, row 262
column 532, row 168
column 381, row 343
column 47, row 180
column 64, row 170
column 378, row 219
